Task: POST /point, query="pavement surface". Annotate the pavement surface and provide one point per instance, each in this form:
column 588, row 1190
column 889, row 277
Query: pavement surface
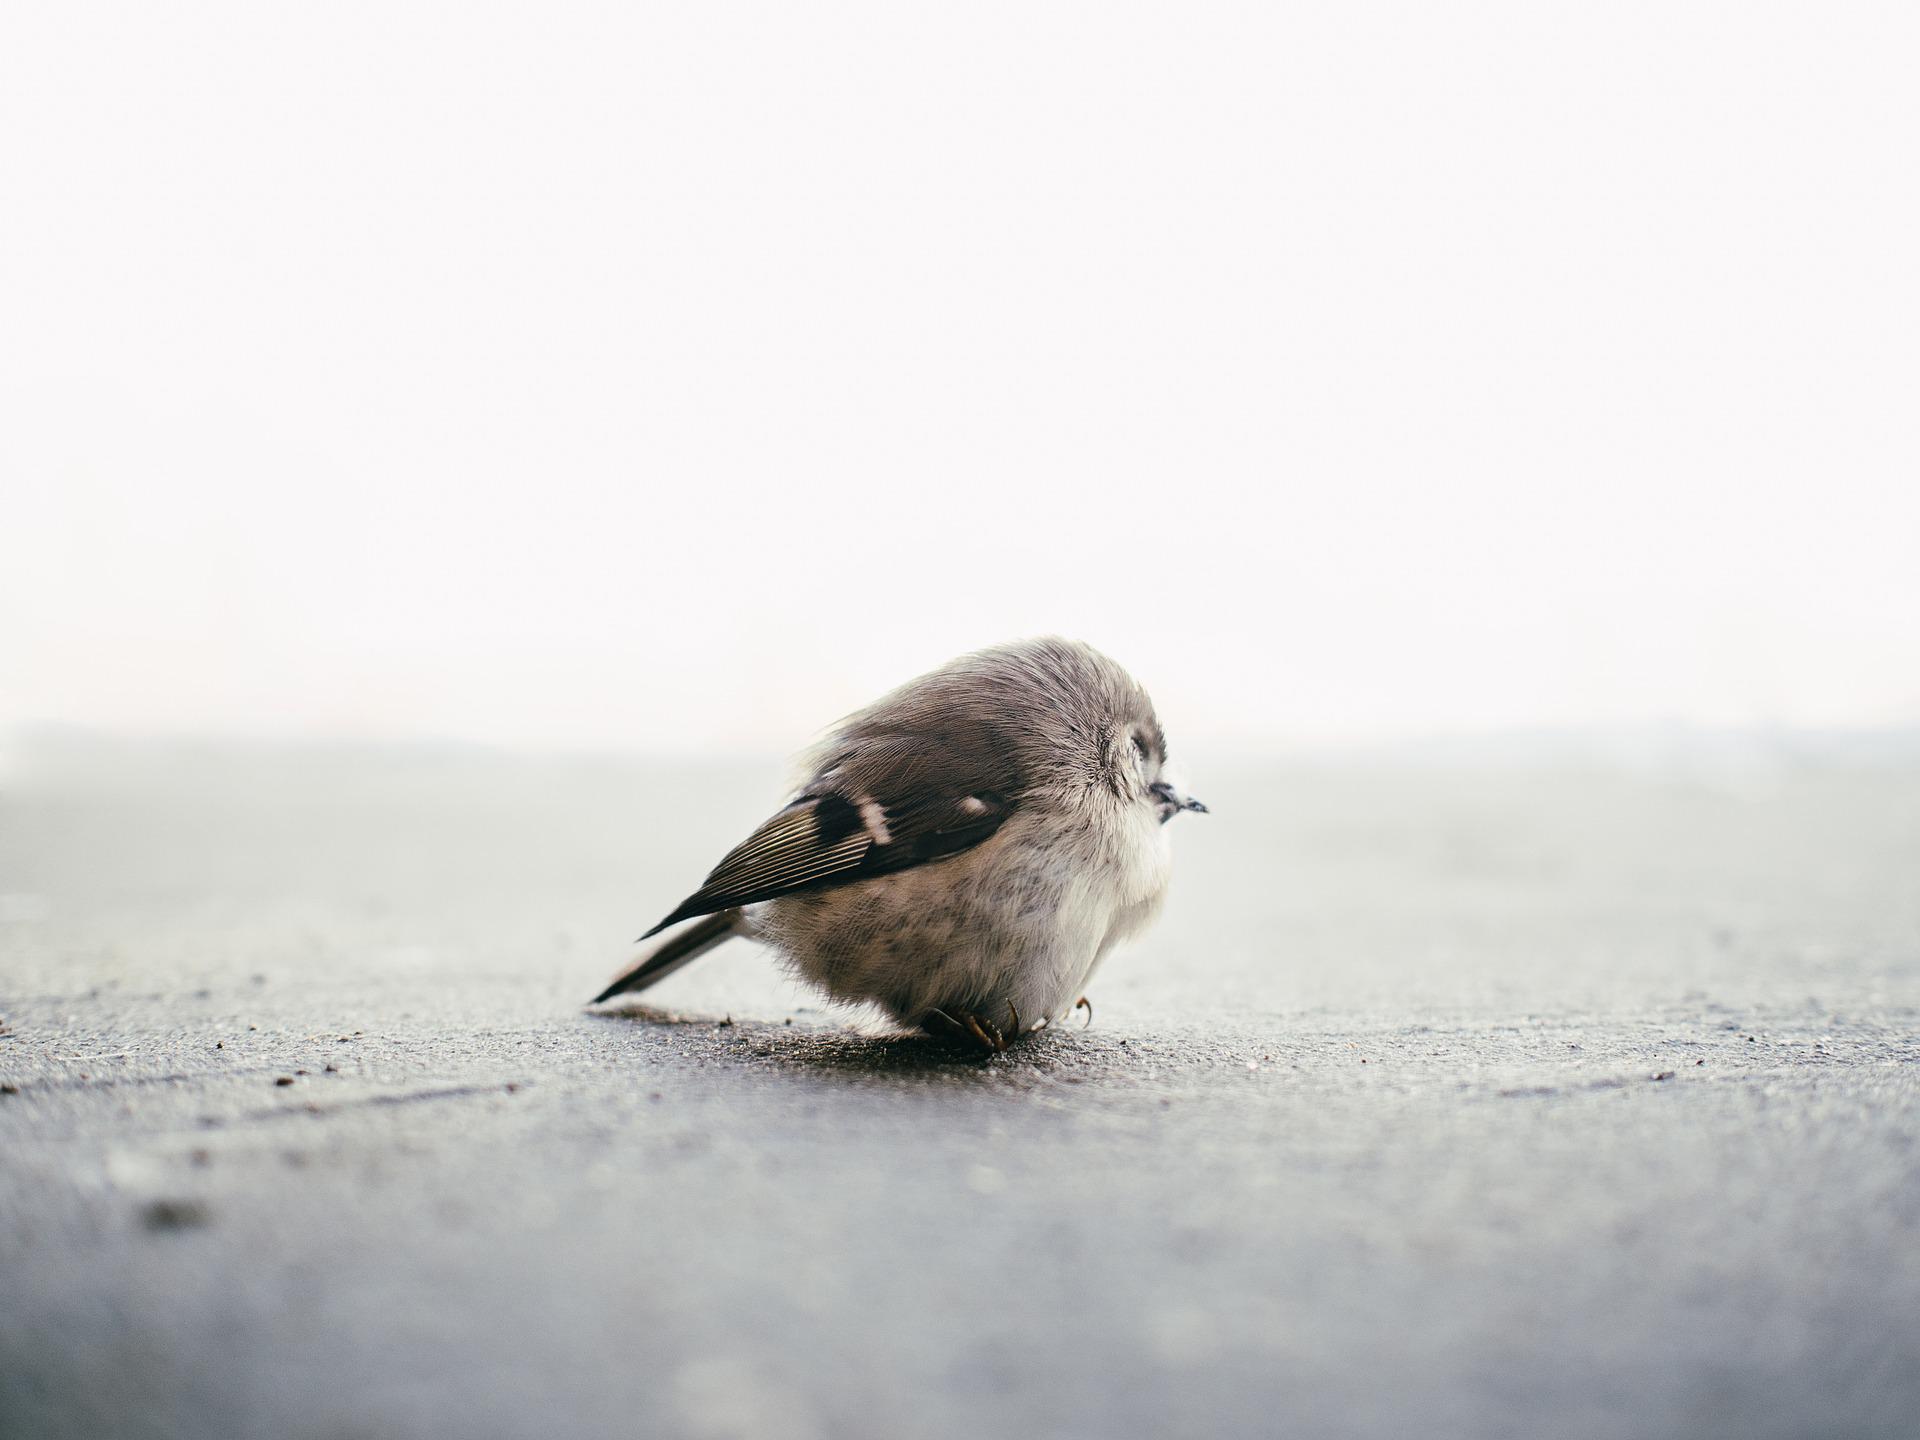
column 1454, row 1095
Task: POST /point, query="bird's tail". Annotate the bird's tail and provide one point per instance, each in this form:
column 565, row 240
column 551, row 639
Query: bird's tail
column 674, row 951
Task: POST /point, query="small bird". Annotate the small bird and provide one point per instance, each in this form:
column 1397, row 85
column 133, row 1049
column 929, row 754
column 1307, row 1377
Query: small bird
column 963, row 853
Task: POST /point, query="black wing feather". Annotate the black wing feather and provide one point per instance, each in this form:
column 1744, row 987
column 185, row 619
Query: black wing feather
column 822, row 839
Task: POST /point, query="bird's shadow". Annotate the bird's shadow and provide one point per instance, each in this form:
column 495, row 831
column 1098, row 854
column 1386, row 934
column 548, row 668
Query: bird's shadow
column 847, row 1050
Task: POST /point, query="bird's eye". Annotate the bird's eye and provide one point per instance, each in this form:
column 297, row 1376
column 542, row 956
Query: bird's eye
column 1139, row 746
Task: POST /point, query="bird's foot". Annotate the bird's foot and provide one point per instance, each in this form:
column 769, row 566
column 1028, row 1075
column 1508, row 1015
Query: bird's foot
column 972, row 1028
column 1087, row 1005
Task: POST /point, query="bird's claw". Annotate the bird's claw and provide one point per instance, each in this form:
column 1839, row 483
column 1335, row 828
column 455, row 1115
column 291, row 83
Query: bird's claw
column 966, row 1025
column 984, row 1031
column 1087, row 1005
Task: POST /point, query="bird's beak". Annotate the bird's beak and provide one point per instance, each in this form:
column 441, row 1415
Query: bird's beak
column 1172, row 802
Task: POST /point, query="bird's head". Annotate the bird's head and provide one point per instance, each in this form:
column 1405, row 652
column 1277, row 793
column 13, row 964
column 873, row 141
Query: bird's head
column 1137, row 763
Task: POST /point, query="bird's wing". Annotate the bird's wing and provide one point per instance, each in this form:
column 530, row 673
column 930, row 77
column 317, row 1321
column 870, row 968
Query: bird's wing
column 894, row 802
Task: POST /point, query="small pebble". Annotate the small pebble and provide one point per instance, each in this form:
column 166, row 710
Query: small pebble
column 173, row 1214
column 283, row 1080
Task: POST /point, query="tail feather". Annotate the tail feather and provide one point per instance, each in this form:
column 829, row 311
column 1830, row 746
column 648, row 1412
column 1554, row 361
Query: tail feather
column 673, row 952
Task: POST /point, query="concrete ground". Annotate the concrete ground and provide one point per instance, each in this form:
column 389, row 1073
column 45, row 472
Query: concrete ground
column 1453, row 1096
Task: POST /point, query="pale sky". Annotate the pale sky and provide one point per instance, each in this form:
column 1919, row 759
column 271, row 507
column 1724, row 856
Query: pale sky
column 683, row 375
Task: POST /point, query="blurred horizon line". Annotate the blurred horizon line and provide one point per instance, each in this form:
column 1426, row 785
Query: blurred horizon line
column 54, row 747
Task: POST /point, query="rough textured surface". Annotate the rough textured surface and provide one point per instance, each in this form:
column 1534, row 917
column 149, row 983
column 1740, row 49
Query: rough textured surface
column 1449, row 1098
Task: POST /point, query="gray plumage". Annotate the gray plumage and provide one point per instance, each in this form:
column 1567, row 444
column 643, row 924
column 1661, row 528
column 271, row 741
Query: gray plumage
column 963, row 852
